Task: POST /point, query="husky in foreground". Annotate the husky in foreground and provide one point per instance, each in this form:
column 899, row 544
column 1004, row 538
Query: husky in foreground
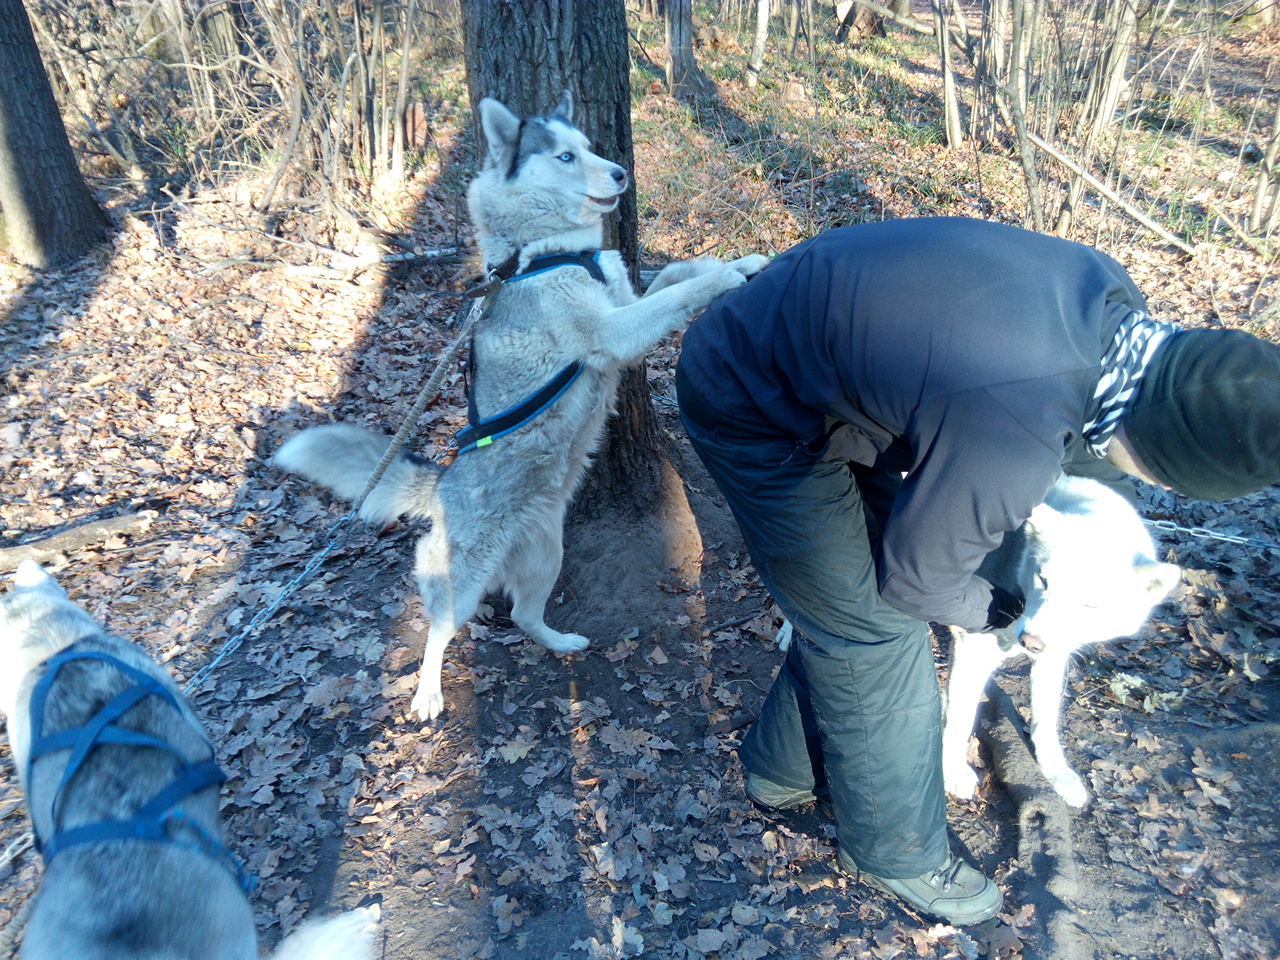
column 122, row 787
column 545, row 363
column 1088, row 569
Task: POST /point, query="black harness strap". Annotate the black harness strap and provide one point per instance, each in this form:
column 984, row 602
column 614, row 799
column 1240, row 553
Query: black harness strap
column 481, row 432
column 587, row 259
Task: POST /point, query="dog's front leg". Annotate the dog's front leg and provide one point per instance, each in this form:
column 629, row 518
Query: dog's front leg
column 1048, row 676
column 683, row 270
column 974, row 658
column 627, row 333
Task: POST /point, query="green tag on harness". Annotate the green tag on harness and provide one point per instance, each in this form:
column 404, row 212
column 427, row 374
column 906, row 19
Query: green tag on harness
column 487, row 441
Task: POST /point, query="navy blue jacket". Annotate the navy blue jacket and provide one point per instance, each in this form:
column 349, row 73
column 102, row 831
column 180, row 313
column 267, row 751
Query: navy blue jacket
column 963, row 352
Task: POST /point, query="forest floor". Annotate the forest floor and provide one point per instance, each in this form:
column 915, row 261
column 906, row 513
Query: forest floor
column 591, row 805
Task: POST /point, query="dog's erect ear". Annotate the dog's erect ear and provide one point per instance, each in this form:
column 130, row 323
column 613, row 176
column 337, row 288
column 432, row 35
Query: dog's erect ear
column 31, row 576
column 564, row 109
column 1157, row 579
column 501, row 132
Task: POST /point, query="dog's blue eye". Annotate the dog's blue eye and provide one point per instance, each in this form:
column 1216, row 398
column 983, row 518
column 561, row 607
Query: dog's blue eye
column 566, row 157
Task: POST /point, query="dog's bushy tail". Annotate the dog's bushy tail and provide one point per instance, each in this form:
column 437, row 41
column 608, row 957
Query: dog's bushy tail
column 347, row 936
column 343, row 457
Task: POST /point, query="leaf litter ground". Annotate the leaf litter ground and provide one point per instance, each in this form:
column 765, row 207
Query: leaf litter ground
column 590, row 805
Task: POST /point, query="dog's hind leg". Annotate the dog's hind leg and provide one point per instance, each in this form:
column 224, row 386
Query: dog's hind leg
column 452, row 581
column 1048, row 675
column 428, row 701
column 532, row 569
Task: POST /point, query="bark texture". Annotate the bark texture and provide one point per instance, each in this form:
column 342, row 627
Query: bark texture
column 48, row 215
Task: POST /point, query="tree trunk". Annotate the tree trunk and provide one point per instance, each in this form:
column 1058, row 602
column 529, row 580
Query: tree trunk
column 857, row 23
column 684, row 79
column 950, row 99
column 49, row 216
column 989, row 72
column 1109, row 78
column 1266, row 178
column 756, row 61
column 525, row 55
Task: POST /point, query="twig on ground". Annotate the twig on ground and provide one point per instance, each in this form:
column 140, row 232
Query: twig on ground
column 44, row 361
column 75, row 538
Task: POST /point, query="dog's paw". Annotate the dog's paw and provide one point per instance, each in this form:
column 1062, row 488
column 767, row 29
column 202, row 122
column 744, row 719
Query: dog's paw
column 1069, row 787
column 563, row 642
column 726, row 279
column 960, row 780
column 749, row 265
column 427, row 704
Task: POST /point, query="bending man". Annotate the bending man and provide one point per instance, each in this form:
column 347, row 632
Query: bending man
column 879, row 406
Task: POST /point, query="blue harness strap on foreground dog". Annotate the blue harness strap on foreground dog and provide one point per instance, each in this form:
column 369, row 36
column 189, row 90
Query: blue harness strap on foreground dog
column 482, row 432
column 151, row 821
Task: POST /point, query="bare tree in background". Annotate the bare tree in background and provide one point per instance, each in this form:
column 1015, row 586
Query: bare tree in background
column 799, row 24
column 47, row 215
column 684, row 78
column 756, row 60
column 308, row 91
column 857, row 22
column 950, row 99
column 1266, row 187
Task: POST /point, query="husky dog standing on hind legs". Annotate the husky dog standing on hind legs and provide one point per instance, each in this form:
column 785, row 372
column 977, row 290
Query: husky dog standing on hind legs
column 546, row 360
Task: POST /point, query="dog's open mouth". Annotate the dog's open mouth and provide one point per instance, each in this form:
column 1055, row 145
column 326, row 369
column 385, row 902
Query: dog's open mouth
column 608, row 203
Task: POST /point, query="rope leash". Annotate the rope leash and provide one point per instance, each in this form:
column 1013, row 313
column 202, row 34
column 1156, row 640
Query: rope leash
column 338, row 532
column 15, row 926
column 18, row 922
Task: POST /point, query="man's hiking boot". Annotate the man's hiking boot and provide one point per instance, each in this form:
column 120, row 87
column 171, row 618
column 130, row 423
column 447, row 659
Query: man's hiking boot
column 954, row 892
column 774, row 796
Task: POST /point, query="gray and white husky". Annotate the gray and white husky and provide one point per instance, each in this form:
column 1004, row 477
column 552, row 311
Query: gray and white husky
column 497, row 512
column 1088, row 569
column 123, row 793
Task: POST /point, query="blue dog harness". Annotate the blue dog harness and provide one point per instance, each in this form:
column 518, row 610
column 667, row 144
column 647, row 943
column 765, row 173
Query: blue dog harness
column 152, row 820
column 482, row 432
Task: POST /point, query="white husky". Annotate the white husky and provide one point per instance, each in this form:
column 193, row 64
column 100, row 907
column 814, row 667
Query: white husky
column 1088, row 569
column 123, row 793
column 554, row 339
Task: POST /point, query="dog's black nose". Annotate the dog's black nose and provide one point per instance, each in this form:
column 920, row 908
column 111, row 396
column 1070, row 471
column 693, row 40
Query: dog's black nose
column 620, row 177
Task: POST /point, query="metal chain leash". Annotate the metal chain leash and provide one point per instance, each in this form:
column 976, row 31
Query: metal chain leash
column 1204, row 533
column 338, row 532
